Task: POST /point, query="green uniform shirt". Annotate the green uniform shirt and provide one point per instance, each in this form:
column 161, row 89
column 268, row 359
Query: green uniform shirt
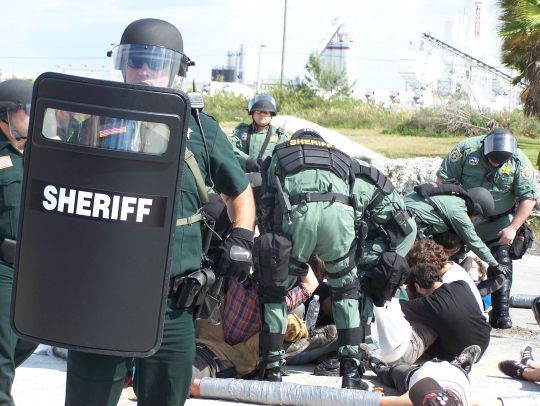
column 246, row 146
column 513, row 181
column 454, row 210
column 228, row 178
column 11, row 175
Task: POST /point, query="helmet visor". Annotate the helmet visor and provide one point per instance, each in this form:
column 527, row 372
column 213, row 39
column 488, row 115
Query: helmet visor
column 148, row 64
column 500, row 147
column 18, row 120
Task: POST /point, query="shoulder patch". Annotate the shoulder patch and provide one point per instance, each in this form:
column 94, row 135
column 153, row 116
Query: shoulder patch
column 5, row 162
column 473, row 160
column 526, row 172
column 455, row 154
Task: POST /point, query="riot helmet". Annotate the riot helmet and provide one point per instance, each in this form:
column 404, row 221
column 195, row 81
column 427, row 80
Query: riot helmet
column 306, row 133
column 484, row 205
column 499, row 145
column 15, row 99
column 262, row 102
column 153, row 45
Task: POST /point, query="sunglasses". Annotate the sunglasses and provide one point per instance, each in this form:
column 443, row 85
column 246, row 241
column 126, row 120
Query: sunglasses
column 155, row 64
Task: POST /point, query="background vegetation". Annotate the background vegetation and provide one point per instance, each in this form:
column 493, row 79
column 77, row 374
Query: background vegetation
column 391, row 130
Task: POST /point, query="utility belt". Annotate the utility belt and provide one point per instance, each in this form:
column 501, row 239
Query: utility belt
column 308, row 197
column 398, row 225
column 191, row 290
column 7, row 250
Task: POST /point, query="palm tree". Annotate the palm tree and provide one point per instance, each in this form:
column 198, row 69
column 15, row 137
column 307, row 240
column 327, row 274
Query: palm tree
column 520, row 31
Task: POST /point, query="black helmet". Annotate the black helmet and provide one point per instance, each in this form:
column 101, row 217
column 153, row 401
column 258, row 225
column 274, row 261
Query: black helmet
column 484, row 205
column 305, row 133
column 154, row 42
column 499, row 145
column 262, row 102
column 15, row 94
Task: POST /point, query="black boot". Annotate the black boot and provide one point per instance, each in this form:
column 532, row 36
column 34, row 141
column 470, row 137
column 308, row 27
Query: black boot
column 272, row 375
column 351, row 371
column 499, row 317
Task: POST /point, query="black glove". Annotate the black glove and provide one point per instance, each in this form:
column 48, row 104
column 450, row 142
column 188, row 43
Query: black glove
column 235, row 254
column 253, row 165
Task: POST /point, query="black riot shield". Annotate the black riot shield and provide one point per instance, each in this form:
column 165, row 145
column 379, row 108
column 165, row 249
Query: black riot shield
column 102, row 177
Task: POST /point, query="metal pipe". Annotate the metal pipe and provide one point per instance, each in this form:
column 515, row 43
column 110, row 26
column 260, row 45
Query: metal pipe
column 285, row 393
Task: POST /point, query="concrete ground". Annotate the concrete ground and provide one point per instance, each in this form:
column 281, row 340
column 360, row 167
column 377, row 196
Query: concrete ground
column 41, row 379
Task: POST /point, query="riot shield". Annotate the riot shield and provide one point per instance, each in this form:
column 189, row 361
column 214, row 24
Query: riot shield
column 103, row 166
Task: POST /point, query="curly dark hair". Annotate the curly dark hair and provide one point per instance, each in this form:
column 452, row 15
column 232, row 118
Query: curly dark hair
column 424, row 274
column 427, row 251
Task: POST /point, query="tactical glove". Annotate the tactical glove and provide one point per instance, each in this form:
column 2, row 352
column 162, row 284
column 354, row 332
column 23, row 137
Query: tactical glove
column 252, row 165
column 235, row 254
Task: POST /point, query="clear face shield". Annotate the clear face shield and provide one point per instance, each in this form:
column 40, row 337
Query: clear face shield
column 18, row 120
column 147, row 65
column 500, row 147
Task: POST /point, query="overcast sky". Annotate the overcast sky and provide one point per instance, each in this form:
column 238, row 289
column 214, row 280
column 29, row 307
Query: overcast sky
column 40, row 35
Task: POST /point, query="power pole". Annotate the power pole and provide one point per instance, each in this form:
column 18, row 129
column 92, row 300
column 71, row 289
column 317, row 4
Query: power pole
column 283, row 45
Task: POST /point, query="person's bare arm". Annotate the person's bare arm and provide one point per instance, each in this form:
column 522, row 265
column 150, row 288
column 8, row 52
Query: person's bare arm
column 241, row 209
column 310, row 281
column 402, row 400
column 524, row 209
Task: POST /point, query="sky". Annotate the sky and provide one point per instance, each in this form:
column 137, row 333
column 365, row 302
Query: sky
column 52, row 35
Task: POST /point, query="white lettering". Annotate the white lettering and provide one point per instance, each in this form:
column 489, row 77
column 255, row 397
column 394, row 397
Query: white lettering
column 98, row 205
column 84, row 202
column 142, row 209
column 114, row 209
column 68, row 199
column 49, row 193
column 101, row 204
column 127, row 207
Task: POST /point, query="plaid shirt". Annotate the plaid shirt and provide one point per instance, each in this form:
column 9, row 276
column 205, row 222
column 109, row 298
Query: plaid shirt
column 241, row 317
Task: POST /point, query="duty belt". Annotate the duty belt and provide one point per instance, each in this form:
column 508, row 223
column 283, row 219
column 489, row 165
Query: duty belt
column 190, row 290
column 308, row 197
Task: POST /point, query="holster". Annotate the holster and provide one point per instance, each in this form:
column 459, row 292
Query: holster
column 7, row 250
column 191, row 290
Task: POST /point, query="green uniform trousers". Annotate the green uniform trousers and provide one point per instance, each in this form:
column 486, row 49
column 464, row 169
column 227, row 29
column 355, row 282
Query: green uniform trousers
column 325, row 229
column 13, row 350
column 161, row 379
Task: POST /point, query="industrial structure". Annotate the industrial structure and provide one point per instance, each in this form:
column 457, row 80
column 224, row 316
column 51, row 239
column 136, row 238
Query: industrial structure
column 464, row 63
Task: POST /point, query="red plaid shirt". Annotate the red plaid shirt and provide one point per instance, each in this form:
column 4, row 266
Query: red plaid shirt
column 241, row 316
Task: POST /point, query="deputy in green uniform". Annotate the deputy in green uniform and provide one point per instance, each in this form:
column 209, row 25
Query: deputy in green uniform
column 254, row 142
column 15, row 98
column 441, row 213
column 151, row 53
column 310, row 192
column 389, row 228
column 494, row 162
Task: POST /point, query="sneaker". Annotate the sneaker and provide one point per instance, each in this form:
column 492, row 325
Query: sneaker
column 468, row 357
column 513, row 369
column 374, row 363
column 526, row 355
column 296, row 347
column 323, row 336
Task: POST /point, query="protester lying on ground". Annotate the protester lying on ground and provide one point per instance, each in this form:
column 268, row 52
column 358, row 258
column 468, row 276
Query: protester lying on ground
column 445, row 320
column 526, row 368
column 429, row 252
column 232, row 348
column 433, row 383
